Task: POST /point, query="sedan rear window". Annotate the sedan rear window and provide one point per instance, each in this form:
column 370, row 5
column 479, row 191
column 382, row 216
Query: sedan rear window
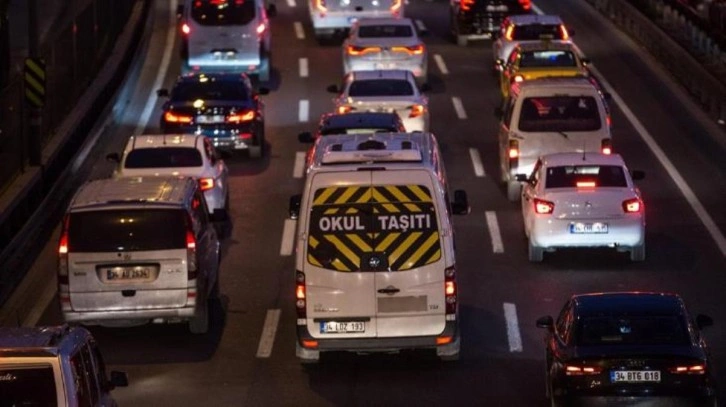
column 223, row 12
column 385, row 31
column 127, row 230
column 170, row 157
column 631, row 330
column 559, row 113
column 27, row 386
column 531, row 32
column 210, row 90
column 580, row 175
column 380, row 87
column 547, row 59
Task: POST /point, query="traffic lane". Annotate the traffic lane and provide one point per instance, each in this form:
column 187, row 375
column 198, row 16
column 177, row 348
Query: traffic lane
column 665, row 110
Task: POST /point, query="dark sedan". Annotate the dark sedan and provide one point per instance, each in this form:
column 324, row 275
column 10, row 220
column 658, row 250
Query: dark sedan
column 355, row 122
column 633, row 348
column 224, row 107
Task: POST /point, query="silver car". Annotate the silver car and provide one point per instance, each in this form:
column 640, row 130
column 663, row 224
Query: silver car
column 526, row 28
column 385, row 43
column 384, row 91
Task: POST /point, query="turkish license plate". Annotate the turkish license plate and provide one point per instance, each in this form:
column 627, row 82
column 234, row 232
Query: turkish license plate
column 210, row 119
column 586, row 228
column 128, row 273
column 635, row 376
column 502, row 8
column 335, row 327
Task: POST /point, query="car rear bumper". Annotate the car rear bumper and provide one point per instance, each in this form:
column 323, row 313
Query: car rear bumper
column 141, row 315
column 550, row 233
column 228, row 138
column 417, row 66
column 342, row 20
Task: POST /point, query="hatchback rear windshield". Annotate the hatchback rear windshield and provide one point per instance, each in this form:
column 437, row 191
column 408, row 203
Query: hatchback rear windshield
column 632, row 330
column 385, row 31
column 531, row 32
column 163, row 158
column 27, row 386
column 223, row 12
column 573, row 176
column 210, row 90
column 380, row 87
column 559, row 113
column 547, row 59
column 127, row 230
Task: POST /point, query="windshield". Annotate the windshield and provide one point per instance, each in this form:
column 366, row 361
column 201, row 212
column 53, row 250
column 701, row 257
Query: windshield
column 210, row 90
column 379, row 228
column 631, row 330
column 223, row 12
column 385, row 31
column 547, row 59
column 167, row 157
column 581, row 175
column 531, row 32
column 27, row 386
column 559, row 113
column 380, row 87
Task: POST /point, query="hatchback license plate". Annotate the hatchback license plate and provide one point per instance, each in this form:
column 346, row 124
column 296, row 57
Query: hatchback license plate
column 335, row 327
column 635, row 376
column 501, row 8
column 597, row 227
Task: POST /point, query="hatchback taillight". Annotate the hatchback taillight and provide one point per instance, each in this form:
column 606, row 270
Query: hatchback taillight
column 513, row 151
column 450, row 292
column 191, row 255
column 300, row 305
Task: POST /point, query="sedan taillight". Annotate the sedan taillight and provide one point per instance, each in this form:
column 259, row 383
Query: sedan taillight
column 416, row 111
column 543, row 207
column 698, row 369
column 634, row 205
column 357, row 51
column 170, row 117
column 581, row 370
column 241, row 117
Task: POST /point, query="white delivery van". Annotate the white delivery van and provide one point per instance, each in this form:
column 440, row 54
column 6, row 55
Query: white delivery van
column 331, row 17
column 375, row 267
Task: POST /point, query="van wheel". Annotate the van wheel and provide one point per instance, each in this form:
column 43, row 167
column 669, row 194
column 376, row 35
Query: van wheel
column 637, row 253
column 536, row 254
column 199, row 324
column 514, row 191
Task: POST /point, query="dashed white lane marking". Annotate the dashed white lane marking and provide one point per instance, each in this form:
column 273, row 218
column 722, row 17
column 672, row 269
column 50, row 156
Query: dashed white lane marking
column 494, row 233
column 420, row 25
column 299, row 31
column 304, row 111
column 267, row 339
column 510, row 315
column 303, row 67
column 440, row 63
column 291, row 3
column 476, row 162
column 288, row 237
column 459, row 107
column 299, row 167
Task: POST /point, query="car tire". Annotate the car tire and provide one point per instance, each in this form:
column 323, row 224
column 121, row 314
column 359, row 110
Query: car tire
column 514, row 191
column 257, row 150
column 535, row 254
column 637, row 253
column 199, row 324
column 449, row 358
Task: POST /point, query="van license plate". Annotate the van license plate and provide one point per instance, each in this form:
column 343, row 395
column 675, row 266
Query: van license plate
column 597, row 227
column 126, row 274
column 334, row 327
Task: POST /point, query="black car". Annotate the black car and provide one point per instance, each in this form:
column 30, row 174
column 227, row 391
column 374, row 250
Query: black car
column 355, row 122
column 481, row 19
column 627, row 347
column 222, row 106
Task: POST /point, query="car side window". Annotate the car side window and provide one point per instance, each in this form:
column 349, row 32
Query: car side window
column 100, row 371
column 564, row 323
column 534, row 177
column 209, row 151
column 82, row 385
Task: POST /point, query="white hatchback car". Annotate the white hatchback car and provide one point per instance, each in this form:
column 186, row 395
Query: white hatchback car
column 384, row 91
column 583, row 200
column 178, row 155
column 527, row 28
column 385, row 43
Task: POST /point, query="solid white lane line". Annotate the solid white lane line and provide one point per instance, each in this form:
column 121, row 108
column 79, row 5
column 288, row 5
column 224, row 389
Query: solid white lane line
column 267, row 339
column 291, row 3
column 420, row 25
column 299, row 31
column 476, row 162
column 459, row 107
column 304, row 111
column 299, row 167
column 510, row 315
column 288, row 237
column 303, row 67
column 493, row 225
column 440, row 64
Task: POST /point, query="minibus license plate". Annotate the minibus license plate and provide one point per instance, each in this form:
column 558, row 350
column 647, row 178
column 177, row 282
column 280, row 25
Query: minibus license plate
column 132, row 273
column 334, row 327
column 634, row 376
column 597, row 227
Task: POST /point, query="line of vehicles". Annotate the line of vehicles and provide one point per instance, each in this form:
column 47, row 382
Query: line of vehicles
column 375, row 269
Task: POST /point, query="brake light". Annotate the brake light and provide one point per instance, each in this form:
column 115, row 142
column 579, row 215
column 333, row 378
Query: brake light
column 518, row 78
column 509, row 34
column 513, row 149
column 693, row 369
column 344, row 109
column 300, row 305
column 186, row 29
column 586, row 184
column 412, row 50
column 634, row 205
column 396, row 5
column 191, row 255
column 357, row 51
column 450, row 292
column 526, row 4
column 416, row 111
column 206, row 183
column 170, row 117
column 575, row 370
column 261, row 28
column 63, row 254
column 466, row 4
column 606, row 146
column 563, row 32
column 543, row 207
column 320, row 5
column 241, row 117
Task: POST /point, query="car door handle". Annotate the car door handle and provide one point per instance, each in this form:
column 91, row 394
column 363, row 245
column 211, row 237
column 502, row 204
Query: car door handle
column 389, row 290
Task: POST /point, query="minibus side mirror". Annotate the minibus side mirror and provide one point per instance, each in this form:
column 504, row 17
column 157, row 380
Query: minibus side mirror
column 546, row 322
column 460, row 206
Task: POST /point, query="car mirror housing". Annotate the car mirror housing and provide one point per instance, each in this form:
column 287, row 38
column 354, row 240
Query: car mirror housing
column 703, row 321
column 305, row 137
column 333, row 89
column 162, row 93
column 545, row 322
column 113, row 157
column 460, row 206
column 294, row 208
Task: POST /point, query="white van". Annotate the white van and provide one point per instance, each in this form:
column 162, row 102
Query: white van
column 550, row 115
column 226, row 36
column 331, row 17
column 375, row 267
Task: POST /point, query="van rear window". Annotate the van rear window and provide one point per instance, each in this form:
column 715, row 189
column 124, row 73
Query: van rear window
column 27, row 386
column 223, row 12
column 127, row 230
column 163, row 158
column 373, row 228
column 559, row 113
column 380, row 87
column 385, row 31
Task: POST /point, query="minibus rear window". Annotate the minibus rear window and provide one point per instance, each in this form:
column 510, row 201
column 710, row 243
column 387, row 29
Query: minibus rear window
column 559, row 114
column 223, row 12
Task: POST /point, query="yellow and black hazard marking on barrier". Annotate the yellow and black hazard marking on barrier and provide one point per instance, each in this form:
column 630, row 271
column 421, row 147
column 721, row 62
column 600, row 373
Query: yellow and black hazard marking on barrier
column 34, row 75
column 373, row 228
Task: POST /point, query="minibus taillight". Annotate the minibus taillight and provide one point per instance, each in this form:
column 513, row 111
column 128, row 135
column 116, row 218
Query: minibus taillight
column 191, row 255
column 63, row 254
column 450, row 293
column 300, row 305
column 186, row 29
column 606, row 146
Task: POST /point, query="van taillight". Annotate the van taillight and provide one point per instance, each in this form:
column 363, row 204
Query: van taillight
column 513, row 152
column 191, row 255
column 606, row 146
column 63, row 254
column 186, row 29
column 450, row 293
column 300, row 305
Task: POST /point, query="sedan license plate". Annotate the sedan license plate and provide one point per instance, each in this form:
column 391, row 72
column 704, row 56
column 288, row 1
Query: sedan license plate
column 127, row 274
column 635, row 376
column 502, row 8
column 586, row 228
column 205, row 119
column 335, row 327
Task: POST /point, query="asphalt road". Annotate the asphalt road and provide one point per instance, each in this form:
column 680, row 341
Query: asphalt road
column 502, row 358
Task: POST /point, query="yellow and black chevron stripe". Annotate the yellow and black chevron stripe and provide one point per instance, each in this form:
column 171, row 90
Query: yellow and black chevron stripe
column 344, row 250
